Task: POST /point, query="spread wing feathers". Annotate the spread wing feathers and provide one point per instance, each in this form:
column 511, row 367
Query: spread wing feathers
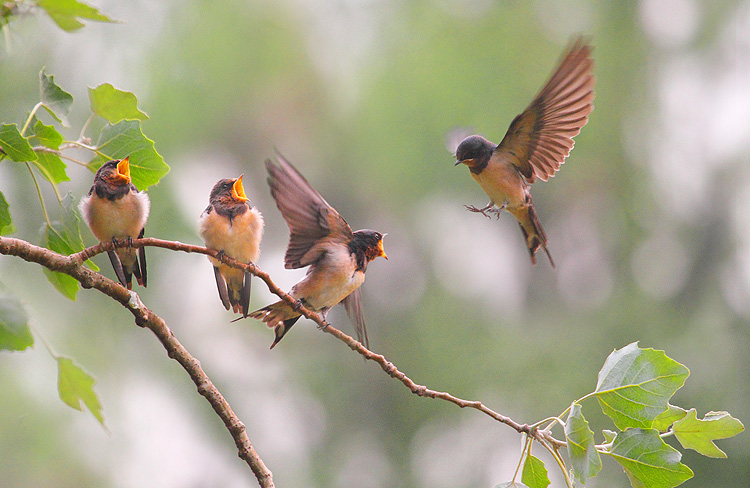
column 309, row 217
column 353, row 306
column 539, row 139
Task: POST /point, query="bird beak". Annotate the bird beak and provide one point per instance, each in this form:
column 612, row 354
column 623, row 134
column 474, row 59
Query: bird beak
column 461, row 161
column 123, row 169
column 238, row 191
column 381, row 251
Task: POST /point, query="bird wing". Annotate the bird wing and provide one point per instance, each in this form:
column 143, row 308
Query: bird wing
column 539, row 139
column 309, row 217
column 353, row 306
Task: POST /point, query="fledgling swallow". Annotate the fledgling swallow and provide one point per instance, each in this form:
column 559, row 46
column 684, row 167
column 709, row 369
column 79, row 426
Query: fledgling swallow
column 234, row 228
column 536, row 144
column 115, row 209
column 321, row 239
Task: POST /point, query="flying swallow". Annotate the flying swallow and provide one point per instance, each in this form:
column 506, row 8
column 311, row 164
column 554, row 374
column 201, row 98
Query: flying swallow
column 321, row 239
column 235, row 228
column 536, row 144
column 115, row 209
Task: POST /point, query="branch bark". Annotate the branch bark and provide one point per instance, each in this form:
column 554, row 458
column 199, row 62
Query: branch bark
column 72, row 265
column 542, row 435
column 144, row 317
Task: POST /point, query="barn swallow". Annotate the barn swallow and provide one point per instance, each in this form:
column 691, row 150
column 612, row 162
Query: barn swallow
column 536, row 144
column 115, row 209
column 319, row 238
column 235, row 228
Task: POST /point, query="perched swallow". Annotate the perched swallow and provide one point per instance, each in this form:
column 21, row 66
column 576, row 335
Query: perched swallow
column 235, row 228
column 115, row 209
column 319, row 238
column 536, row 144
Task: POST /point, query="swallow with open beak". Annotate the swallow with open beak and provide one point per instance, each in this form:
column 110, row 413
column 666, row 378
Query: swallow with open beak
column 234, row 228
column 321, row 239
column 115, row 209
column 536, row 144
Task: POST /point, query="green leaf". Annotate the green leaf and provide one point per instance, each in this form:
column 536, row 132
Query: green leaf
column 534, row 474
column 56, row 100
column 114, row 105
column 699, row 435
column 50, row 165
column 64, row 237
column 14, row 325
column 6, row 222
column 665, row 419
column 47, row 135
column 635, row 385
column 15, row 146
column 648, row 460
column 584, row 459
column 76, row 386
column 123, row 139
column 66, row 13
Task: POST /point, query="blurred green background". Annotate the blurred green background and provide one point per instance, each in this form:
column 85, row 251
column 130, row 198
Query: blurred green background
column 647, row 221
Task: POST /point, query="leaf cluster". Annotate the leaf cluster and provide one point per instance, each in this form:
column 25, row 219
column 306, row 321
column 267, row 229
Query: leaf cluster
column 634, row 388
column 43, row 149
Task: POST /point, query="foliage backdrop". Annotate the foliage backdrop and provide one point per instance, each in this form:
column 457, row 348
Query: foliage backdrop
column 647, row 221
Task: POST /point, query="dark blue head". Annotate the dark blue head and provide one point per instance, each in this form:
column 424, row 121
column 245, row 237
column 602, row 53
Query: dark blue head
column 474, row 152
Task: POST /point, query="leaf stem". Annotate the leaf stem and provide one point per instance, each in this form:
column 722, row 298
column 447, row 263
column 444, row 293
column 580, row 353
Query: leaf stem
column 31, row 116
column 44, row 341
column 551, row 420
column 524, row 453
column 82, row 145
column 560, row 463
column 59, row 154
column 73, row 160
column 78, row 144
column 49, row 177
column 82, row 136
column 39, row 193
column 565, row 412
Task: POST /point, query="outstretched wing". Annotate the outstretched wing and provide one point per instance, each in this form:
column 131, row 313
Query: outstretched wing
column 539, row 139
column 309, row 217
column 353, row 306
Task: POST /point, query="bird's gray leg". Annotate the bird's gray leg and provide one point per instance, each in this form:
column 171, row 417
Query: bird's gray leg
column 324, row 314
column 483, row 211
column 498, row 210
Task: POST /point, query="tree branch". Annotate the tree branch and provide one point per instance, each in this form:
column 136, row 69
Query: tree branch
column 72, row 265
column 542, row 435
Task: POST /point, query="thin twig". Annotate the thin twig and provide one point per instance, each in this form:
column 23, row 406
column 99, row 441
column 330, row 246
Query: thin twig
column 354, row 345
column 59, row 154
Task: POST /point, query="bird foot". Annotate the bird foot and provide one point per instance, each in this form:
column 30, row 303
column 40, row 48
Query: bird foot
column 497, row 211
column 489, row 208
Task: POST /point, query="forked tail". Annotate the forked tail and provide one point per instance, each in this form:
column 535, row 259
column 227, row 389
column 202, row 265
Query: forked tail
column 532, row 230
